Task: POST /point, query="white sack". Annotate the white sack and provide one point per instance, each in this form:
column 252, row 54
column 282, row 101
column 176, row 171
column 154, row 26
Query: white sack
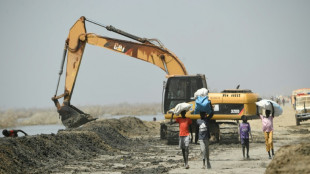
column 181, row 107
column 201, row 92
column 265, row 104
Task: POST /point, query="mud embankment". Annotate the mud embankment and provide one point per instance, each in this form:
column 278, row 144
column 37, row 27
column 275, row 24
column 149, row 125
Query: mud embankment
column 291, row 159
column 45, row 153
column 294, row 157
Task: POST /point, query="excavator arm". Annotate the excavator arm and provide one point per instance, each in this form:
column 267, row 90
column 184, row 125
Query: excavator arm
column 151, row 53
column 75, row 44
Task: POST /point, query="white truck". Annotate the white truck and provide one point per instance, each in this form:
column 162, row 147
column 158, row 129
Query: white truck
column 301, row 103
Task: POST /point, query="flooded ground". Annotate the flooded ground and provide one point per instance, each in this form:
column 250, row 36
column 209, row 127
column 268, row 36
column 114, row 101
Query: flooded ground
column 38, row 129
column 54, row 128
column 129, row 145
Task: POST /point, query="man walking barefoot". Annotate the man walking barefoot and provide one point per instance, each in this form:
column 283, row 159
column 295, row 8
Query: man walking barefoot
column 203, row 136
column 184, row 124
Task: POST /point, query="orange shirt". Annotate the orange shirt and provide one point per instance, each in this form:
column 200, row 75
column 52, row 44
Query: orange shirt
column 183, row 125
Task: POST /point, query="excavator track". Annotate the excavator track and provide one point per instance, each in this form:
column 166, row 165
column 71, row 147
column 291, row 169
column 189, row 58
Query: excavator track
column 222, row 133
column 229, row 133
column 170, row 132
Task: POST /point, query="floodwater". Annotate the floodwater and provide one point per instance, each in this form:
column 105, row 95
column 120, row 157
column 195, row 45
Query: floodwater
column 49, row 129
column 37, row 129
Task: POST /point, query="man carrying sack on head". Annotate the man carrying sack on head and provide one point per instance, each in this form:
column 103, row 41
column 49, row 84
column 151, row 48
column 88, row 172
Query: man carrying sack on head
column 184, row 125
column 203, row 107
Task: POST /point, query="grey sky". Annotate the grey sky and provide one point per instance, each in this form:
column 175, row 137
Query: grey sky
column 261, row 45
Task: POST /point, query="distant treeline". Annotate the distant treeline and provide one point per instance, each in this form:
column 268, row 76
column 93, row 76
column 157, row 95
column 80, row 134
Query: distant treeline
column 35, row 116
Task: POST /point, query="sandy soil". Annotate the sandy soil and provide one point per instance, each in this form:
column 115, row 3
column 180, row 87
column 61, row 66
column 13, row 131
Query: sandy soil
column 129, row 145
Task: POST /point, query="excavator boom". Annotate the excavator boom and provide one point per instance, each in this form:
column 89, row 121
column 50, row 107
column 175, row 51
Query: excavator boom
column 160, row 57
column 75, row 44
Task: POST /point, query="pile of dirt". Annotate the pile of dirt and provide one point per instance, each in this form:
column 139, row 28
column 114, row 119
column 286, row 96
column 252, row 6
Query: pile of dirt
column 42, row 153
column 127, row 126
column 291, row 159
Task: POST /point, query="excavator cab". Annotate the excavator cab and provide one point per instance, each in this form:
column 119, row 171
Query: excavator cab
column 180, row 89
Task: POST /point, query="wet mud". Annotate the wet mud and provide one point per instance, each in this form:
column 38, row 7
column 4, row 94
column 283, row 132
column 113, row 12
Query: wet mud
column 47, row 153
column 129, row 145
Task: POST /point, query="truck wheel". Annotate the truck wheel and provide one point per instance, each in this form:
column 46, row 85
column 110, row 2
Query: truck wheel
column 297, row 121
column 229, row 134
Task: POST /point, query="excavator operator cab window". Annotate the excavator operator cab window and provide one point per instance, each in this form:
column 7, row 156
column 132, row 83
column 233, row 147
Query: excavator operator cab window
column 181, row 89
column 193, row 87
column 177, row 90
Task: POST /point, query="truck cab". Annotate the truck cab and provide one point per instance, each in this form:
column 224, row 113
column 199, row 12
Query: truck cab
column 301, row 103
column 302, row 107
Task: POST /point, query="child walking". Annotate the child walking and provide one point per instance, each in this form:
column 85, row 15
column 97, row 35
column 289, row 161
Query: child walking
column 245, row 131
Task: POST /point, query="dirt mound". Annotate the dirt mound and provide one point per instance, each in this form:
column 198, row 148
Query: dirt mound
column 42, row 153
column 291, row 159
column 127, row 126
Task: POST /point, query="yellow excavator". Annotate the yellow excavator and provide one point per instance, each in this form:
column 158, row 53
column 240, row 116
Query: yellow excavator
column 149, row 50
column 179, row 87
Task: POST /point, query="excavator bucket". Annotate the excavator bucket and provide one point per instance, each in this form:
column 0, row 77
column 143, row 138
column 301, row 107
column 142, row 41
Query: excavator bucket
column 72, row 117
